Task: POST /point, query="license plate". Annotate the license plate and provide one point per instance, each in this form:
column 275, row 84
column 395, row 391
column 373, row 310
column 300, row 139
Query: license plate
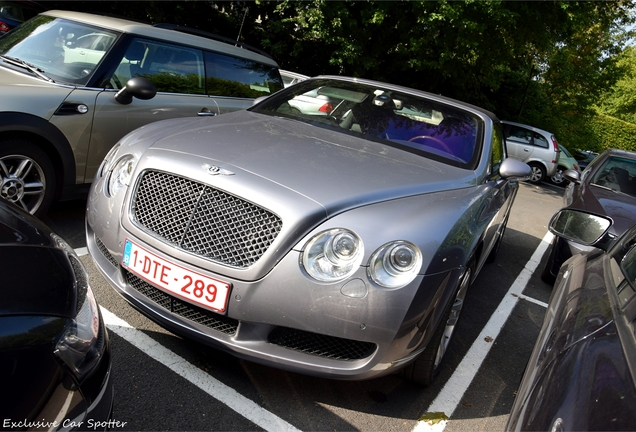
column 181, row 282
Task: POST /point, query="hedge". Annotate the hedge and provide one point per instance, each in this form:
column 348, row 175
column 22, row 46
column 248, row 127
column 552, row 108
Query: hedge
column 611, row 132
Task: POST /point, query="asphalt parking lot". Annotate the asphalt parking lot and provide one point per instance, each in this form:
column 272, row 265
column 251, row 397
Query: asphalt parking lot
column 164, row 382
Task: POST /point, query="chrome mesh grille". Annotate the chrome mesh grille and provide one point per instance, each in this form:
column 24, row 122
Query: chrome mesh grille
column 104, row 250
column 203, row 220
column 182, row 308
column 321, row 345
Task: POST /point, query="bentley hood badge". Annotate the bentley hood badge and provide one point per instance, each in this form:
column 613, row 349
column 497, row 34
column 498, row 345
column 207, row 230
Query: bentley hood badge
column 216, row 170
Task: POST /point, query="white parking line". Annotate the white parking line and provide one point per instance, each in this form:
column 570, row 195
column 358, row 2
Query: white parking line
column 196, row 376
column 448, row 399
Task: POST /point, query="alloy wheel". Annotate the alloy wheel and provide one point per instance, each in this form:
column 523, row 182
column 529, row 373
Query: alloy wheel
column 453, row 317
column 22, row 182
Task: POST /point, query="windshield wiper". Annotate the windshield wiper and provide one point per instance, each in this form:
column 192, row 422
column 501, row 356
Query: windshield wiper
column 21, row 63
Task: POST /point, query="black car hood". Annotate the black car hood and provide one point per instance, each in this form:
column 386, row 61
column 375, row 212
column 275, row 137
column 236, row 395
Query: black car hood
column 619, row 206
column 37, row 278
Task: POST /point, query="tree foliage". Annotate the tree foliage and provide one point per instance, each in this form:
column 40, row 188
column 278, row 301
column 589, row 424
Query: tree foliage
column 620, row 100
column 539, row 62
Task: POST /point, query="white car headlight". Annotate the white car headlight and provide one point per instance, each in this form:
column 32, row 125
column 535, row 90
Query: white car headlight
column 121, row 174
column 332, row 255
column 79, row 345
column 395, row 264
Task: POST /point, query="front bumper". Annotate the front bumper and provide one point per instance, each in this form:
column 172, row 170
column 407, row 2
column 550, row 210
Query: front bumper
column 348, row 330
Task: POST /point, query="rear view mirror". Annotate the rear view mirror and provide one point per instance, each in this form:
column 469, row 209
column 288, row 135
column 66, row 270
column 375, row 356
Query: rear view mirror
column 572, row 176
column 138, row 87
column 514, row 169
column 580, row 227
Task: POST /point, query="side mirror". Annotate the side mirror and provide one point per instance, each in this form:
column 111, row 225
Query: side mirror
column 514, row 169
column 138, row 87
column 580, row 227
column 572, row 176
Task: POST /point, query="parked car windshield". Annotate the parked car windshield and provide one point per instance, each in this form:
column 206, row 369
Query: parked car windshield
column 58, row 49
column 618, row 174
column 408, row 121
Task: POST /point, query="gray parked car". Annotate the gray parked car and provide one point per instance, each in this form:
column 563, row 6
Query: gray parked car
column 73, row 84
column 536, row 147
column 339, row 246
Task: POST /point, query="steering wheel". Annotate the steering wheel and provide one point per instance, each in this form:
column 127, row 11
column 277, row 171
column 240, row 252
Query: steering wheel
column 441, row 143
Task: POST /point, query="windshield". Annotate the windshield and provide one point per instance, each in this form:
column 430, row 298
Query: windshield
column 408, row 121
column 62, row 50
column 618, row 174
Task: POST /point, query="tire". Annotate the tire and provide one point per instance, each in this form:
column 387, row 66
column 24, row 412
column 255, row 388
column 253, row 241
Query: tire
column 537, row 173
column 425, row 367
column 558, row 178
column 27, row 176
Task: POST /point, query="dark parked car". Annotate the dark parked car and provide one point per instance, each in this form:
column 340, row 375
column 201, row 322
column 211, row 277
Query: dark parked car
column 15, row 12
column 584, row 157
column 582, row 373
column 54, row 349
column 339, row 245
column 607, row 186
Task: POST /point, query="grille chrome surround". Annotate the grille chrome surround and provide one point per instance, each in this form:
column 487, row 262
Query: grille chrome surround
column 202, row 220
column 182, row 308
column 321, row 345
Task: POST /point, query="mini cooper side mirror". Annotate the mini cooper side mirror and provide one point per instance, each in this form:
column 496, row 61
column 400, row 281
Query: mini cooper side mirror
column 138, row 87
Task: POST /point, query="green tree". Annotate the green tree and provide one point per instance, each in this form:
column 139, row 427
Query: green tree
column 544, row 63
column 620, row 100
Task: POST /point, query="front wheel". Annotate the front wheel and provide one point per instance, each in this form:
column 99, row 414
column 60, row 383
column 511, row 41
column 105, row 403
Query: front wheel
column 426, row 366
column 537, row 173
column 27, row 176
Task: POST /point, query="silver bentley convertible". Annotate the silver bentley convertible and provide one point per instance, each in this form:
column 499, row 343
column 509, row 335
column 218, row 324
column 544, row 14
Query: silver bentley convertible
column 337, row 241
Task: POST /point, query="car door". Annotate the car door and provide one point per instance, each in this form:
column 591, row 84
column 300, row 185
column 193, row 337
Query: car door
column 177, row 71
column 500, row 195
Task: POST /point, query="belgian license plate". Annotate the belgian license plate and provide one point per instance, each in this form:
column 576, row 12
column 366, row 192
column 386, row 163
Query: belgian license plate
column 187, row 284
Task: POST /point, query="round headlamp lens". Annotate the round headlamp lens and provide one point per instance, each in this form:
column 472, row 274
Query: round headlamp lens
column 332, row 255
column 121, row 174
column 395, row 264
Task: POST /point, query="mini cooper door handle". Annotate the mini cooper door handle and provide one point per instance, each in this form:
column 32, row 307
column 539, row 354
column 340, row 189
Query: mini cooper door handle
column 206, row 112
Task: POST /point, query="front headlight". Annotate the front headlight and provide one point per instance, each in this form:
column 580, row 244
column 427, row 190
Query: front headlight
column 121, row 174
column 108, row 160
column 395, row 264
column 332, row 255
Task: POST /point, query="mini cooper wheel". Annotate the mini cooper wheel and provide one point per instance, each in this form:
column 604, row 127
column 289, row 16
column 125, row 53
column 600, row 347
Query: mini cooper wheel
column 27, row 176
column 425, row 367
column 537, row 173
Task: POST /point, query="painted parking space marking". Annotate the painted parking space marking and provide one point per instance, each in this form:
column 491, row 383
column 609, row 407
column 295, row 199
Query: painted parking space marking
column 449, row 398
column 196, row 376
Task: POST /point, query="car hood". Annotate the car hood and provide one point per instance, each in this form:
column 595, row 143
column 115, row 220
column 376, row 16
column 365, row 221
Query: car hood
column 334, row 169
column 24, row 93
column 620, row 207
